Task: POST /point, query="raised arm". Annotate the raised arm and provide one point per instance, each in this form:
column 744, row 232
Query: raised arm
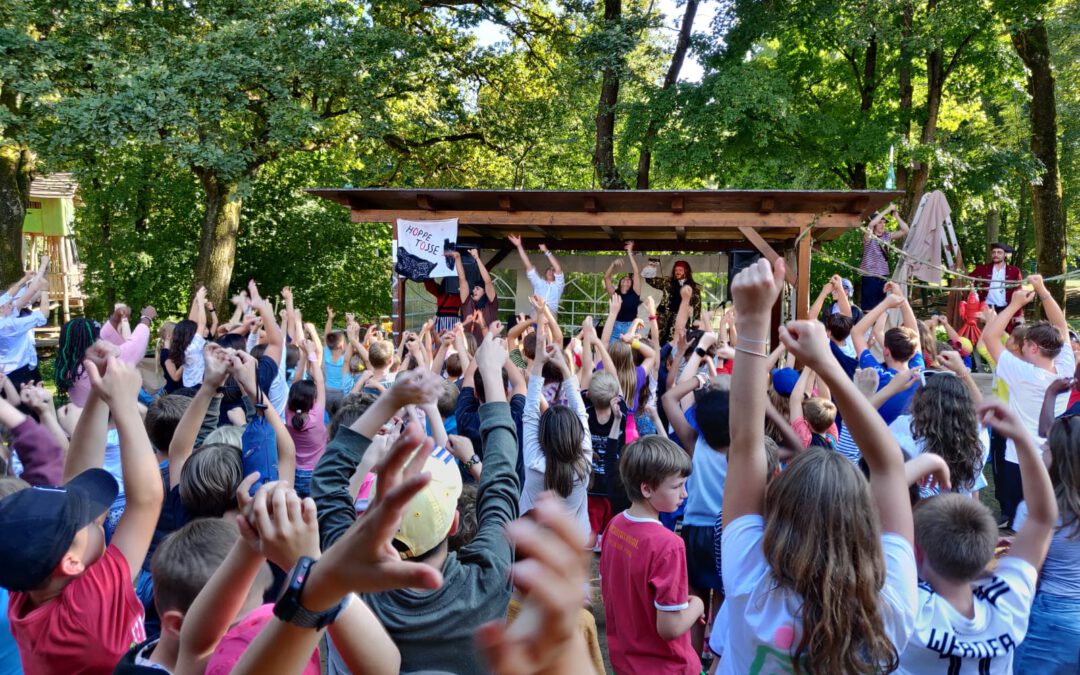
column 842, row 300
column 754, row 291
column 609, row 288
column 329, row 327
column 1051, row 308
column 489, row 286
column 143, row 494
column 635, row 272
column 1033, row 540
column 198, row 311
column 866, row 323
column 609, row 325
column 551, row 258
column 888, row 480
column 798, row 394
column 516, row 241
column 904, row 229
column 819, row 301
column 1046, row 415
column 187, row 431
column 675, row 415
column 994, row 330
column 463, row 282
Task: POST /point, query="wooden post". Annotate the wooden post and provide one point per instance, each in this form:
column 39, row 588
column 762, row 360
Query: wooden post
column 802, row 296
column 398, row 298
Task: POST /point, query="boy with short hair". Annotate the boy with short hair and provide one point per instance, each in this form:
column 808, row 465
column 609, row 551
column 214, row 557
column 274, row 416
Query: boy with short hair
column 968, row 621
column 431, row 627
column 181, row 567
column 643, row 578
column 1044, row 356
column 73, row 607
column 605, row 428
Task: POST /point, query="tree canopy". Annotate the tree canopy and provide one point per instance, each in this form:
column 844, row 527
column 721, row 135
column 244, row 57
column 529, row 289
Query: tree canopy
column 193, row 127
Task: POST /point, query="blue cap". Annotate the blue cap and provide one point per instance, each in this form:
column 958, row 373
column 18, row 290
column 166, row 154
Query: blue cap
column 784, row 379
column 37, row 525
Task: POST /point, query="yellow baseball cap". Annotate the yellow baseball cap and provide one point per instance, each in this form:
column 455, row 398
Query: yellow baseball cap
column 430, row 514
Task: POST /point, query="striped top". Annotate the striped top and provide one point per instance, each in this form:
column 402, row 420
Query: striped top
column 873, row 256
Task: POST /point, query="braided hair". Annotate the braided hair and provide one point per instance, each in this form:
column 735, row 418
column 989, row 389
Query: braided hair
column 76, row 336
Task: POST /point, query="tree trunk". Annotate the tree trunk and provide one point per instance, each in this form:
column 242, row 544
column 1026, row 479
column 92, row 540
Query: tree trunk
column 906, row 90
column 1033, row 47
column 935, row 85
column 217, row 244
column 678, row 57
column 16, row 164
column 604, row 154
column 993, row 226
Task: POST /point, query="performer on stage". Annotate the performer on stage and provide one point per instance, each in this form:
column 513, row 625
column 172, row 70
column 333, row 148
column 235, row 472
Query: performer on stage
column 874, row 265
column 993, row 291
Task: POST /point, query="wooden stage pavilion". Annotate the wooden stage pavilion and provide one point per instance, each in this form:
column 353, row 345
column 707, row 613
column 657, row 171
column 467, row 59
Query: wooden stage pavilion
column 774, row 222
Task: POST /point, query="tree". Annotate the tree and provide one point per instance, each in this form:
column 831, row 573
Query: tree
column 226, row 88
column 25, row 65
column 1032, row 44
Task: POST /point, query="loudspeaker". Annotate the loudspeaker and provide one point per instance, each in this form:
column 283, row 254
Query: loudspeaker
column 472, row 275
column 739, row 260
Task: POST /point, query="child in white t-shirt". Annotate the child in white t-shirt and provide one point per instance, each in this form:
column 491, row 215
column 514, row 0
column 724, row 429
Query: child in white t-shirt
column 802, row 589
column 969, row 621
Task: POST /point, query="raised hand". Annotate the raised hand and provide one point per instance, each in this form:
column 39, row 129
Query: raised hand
column 364, row 559
column 215, row 365
column 118, row 385
column 866, row 381
column 257, row 301
column 286, row 294
column 755, row 289
column 997, row 415
column 552, row 577
column 492, row 354
column 474, row 253
column 953, row 361
column 416, row 387
column 892, row 301
column 1060, row 386
column 617, row 263
column 1022, row 297
column 36, row 397
column 616, row 303
column 99, row 354
column 244, row 369
column 149, row 312
column 807, row 341
column 278, row 524
column 329, row 313
column 1036, row 280
column 629, row 246
column 515, row 240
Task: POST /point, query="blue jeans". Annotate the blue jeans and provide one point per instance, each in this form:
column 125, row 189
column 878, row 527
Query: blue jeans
column 302, row 484
column 1052, row 645
column 620, row 328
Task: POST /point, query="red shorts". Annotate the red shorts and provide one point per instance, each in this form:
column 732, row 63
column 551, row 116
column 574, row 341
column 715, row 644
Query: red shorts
column 599, row 513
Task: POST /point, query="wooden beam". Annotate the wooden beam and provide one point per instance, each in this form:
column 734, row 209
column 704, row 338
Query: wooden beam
column 802, row 295
column 680, row 233
column 611, row 232
column 767, row 205
column 423, row 203
column 590, row 205
column 858, row 205
column 677, row 205
column 504, row 203
column 548, row 234
column 766, row 250
column 499, row 256
column 637, row 219
column 609, row 245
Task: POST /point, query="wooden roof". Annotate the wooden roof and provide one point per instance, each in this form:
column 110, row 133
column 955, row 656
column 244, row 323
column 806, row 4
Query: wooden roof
column 599, row 220
column 53, row 185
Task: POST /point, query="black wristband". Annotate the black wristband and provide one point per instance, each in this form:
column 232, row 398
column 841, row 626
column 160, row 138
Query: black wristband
column 700, row 352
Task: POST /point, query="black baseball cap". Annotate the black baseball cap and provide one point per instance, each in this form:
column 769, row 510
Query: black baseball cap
column 37, row 525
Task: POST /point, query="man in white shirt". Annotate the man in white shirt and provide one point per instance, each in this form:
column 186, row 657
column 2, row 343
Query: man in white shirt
column 993, row 291
column 1045, row 356
column 550, row 287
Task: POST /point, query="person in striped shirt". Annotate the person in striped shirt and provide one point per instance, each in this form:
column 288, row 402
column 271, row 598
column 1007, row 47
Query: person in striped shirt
column 874, row 265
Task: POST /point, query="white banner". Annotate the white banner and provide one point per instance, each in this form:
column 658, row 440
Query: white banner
column 420, row 246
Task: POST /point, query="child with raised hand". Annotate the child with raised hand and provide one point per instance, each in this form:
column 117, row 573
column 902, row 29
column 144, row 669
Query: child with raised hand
column 73, row 608
column 811, row 576
column 1052, row 644
column 431, row 627
column 557, row 447
column 189, row 340
column 644, row 583
column 305, row 419
column 966, row 620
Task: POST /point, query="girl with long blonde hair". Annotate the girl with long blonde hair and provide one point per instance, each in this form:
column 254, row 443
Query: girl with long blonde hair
column 818, row 567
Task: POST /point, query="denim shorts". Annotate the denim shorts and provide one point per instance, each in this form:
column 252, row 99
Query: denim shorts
column 302, row 484
column 1052, row 645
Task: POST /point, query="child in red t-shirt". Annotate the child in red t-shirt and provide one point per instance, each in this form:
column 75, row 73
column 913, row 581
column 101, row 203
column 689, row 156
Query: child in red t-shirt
column 73, row 607
column 643, row 575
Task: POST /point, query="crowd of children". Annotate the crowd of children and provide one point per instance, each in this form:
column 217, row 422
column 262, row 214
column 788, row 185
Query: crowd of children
column 291, row 501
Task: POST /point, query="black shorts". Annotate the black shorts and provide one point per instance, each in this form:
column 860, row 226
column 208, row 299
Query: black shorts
column 701, row 558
